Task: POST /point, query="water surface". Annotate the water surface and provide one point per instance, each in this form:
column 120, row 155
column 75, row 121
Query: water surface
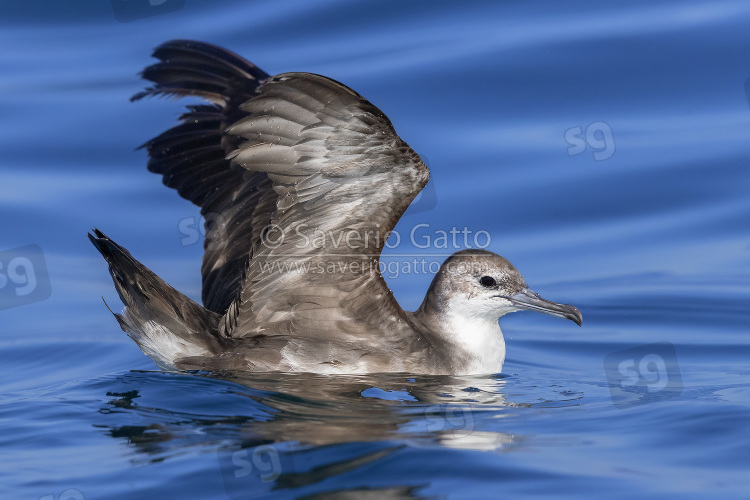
column 604, row 149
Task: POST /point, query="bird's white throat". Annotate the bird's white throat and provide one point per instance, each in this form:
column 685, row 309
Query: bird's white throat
column 477, row 337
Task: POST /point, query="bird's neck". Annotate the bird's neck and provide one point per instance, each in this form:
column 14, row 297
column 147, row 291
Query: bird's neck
column 476, row 342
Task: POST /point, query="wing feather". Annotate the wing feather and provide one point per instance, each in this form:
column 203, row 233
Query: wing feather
column 191, row 157
column 341, row 173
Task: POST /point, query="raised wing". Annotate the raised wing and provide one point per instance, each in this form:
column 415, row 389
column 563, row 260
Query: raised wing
column 343, row 179
column 191, row 157
column 324, row 168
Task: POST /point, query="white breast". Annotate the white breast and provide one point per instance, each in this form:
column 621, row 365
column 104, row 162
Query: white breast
column 477, row 337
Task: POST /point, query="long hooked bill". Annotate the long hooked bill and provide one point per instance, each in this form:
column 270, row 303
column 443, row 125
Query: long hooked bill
column 526, row 299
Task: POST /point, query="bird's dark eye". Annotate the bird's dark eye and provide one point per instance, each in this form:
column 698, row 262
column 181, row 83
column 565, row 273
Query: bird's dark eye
column 487, row 281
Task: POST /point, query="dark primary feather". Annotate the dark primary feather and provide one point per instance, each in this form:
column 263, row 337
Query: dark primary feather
column 195, row 68
column 191, row 157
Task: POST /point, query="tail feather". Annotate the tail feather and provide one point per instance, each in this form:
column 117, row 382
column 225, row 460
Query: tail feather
column 165, row 324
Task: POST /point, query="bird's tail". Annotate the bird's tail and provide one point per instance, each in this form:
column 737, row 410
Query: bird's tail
column 165, row 324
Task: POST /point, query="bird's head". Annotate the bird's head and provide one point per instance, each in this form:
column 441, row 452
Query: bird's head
column 482, row 284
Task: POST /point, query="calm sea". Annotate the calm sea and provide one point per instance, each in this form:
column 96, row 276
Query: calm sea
column 602, row 147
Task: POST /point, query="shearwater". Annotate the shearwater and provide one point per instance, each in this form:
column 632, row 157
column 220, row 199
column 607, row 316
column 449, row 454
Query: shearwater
column 263, row 158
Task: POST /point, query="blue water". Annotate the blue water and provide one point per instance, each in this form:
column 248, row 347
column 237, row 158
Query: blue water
column 604, row 148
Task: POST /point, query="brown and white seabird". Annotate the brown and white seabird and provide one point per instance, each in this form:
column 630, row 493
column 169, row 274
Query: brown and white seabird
column 268, row 160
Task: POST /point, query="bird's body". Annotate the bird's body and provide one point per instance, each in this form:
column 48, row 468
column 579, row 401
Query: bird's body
column 273, row 163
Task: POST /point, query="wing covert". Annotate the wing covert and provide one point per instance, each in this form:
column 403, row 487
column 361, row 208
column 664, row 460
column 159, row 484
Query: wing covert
column 343, row 179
